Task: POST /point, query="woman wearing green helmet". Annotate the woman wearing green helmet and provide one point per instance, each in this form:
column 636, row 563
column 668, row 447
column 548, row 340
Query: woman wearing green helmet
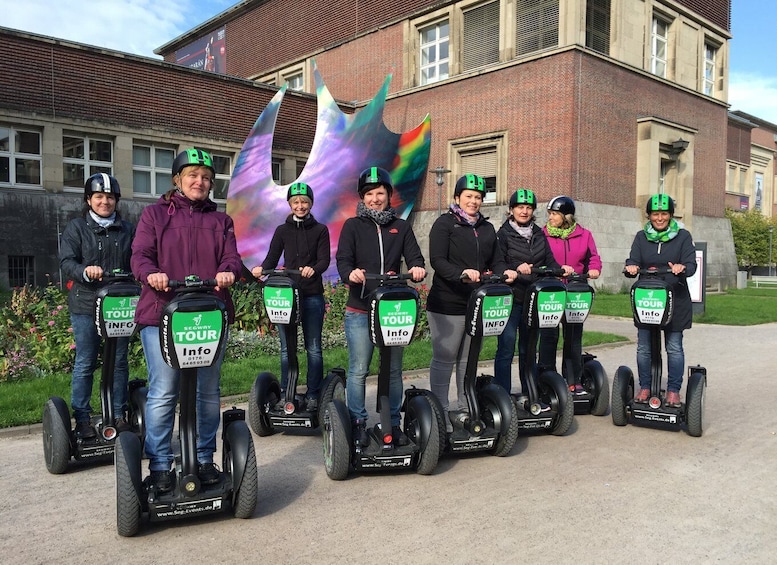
column 664, row 242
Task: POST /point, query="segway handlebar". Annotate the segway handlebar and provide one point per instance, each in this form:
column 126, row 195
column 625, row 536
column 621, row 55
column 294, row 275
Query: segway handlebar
column 486, row 277
column 118, row 275
column 192, row 283
column 547, row 272
column 388, row 277
column 650, row 271
column 281, row 271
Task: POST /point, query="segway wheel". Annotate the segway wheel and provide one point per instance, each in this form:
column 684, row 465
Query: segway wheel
column 495, row 400
column 265, row 393
column 245, row 497
column 334, row 388
column 337, row 441
column 56, row 435
column 595, row 382
column 622, row 393
column 554, row 391
column 423, row 428
column 694, row 404
column 128, row 507
column 439, row 415
column 137, row 411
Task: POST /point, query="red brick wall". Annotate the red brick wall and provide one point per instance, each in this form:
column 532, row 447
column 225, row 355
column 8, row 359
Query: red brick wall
column 716, row 11
column 738, row 142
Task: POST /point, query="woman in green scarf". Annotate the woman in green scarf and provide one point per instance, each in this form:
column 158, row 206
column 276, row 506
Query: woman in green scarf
column 663, row 242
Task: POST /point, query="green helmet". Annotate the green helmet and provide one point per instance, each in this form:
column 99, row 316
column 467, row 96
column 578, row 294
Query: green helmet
column 373, row 177
column 192, row 156
column 523, row 196
column 299, row 189
column 660, row 203
column 470, row 182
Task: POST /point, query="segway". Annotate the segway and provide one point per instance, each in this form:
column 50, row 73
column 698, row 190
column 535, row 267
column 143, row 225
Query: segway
column 596, row 396
column 544, row 403
column 393, row 318
column 489, row 422
column 114, row 316
column 652, row 304
column 282, row 303
column 192, row 332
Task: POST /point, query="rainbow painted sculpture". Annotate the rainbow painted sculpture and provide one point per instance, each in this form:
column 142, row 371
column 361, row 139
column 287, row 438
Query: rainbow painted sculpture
column 343, row 146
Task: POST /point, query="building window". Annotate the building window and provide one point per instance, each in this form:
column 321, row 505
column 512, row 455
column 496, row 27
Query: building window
column 481, row 36
column 84, row 156
column 597, row 25
column 223, row 167
column 296, row 82
column 536, row 25
column 21, row 270
column 152, row 169
column 435, row 43
column 658, row 46
column 277, row 166
column 484, row 156
column 708, row 83
column 20, row 157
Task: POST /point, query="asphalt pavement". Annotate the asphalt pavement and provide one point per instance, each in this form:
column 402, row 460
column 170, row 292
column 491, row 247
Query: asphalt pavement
column 598, row 494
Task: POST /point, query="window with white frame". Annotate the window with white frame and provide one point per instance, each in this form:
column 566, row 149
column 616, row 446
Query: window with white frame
column 21, row 158
column 296, row 81
column 152, row 166
column 222, row 164
column 82, row 156
column 481, row 36
column 597, row 25
column 482, row 155
column 434, row 41
column 708, row 82
column 536, row 25
column 659, row 39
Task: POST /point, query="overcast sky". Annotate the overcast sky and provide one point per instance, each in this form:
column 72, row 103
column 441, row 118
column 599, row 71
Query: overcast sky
column 140, row 26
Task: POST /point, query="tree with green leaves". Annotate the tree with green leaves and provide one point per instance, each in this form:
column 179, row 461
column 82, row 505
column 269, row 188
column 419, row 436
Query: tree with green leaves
column 750, row 230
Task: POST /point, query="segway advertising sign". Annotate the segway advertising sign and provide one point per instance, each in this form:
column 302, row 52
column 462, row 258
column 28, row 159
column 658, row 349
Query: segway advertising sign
column 578, row 306
column 196, row 337
column 278, row 302
column 397, row 321
column 649, row 305
column 496, row 312
column 550, row 308
column 118, row 316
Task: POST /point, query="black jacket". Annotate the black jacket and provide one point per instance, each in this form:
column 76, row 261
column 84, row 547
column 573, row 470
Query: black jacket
column 302, row 244
column 678, row 250
column 84, row 242
column 376, row 249
column 535, row 251
column 454, row 246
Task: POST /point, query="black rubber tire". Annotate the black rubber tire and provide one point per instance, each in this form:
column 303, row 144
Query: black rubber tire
column 439, row 415
column 622, row 393
column 246, row 494
column 334, row 388
column 337, row 444
column 264, row 392
column 137, row 412
column 493, row 417
column 554, row 391
column 430, row 453
column 694, row 404
column 595, row 382
column 128, row 507
column 56, row 435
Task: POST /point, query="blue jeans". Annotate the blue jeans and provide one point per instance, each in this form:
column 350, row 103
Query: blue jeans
column 312, row 324
column 163, row 389
column 675, row 356
column 88, row 345
column 505, row 349
column 360, row 350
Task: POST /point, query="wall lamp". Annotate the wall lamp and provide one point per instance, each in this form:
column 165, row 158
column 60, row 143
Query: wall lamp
column 678, row 147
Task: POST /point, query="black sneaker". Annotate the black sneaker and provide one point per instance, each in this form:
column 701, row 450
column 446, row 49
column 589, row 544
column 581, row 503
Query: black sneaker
column 209, row 474
column 160, row 480
column 85, row 430
column 400, row 439
column 311, row 404
column 121, row 425
column 360, row 435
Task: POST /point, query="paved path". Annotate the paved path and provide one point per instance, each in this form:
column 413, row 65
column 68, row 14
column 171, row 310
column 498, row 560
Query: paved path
column 600, row 494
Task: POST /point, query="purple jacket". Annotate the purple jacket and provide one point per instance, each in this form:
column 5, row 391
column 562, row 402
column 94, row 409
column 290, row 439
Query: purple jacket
column 578, row 250
column 180, row 237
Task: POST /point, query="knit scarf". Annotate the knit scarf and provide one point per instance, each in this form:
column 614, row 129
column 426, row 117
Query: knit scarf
column 562, row 233
column 524, row 231
column 662, row 236
column 380, row 217
column 471, row 220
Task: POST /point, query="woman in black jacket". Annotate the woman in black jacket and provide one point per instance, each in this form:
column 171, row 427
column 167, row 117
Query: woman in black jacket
column 92, row 246
column 304, row 244
column 462, row 245
column 663, row 242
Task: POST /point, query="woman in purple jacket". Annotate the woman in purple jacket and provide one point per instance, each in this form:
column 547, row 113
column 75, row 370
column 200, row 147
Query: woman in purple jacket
column 182, row 234
column 572, row 245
